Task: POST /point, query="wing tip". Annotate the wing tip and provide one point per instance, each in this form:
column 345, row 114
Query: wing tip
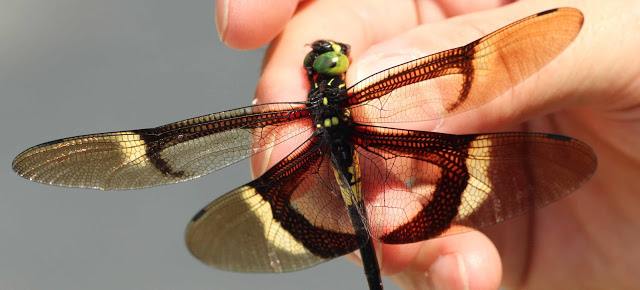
column 547, row 12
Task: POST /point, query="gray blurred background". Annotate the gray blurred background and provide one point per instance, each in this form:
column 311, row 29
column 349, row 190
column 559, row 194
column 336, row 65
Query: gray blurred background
column 70, row 67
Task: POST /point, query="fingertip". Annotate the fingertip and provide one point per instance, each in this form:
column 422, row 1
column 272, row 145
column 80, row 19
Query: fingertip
column 251, row 24
column 449, row 271
column 467, row 261
column 463, row 271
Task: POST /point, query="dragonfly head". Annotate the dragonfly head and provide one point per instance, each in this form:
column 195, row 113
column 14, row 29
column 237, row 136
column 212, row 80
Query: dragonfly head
column 327, row 59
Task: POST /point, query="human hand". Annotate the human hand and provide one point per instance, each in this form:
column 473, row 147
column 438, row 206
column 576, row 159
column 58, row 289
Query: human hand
column 589, row 92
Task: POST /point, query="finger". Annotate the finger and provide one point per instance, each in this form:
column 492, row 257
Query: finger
column 359, row 23
column 455, row 8
column 431, row 38
column 464, row 261
column 251, row 24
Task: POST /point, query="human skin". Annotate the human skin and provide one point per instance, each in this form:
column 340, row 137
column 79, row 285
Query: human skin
column 590, row 92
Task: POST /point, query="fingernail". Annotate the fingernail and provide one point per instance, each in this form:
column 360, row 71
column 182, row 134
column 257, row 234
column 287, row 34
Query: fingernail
column 448, row 272
column 222, row 17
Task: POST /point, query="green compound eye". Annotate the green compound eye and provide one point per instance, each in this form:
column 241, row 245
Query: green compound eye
column 331, row 63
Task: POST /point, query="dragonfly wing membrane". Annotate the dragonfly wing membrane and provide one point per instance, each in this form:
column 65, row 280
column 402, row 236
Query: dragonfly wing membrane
column 462, row 78
column 290, row 218
column 513, row 173
column 172, row 153
column 423, row 183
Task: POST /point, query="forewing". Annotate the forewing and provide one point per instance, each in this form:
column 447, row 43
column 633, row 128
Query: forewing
column 421, row 185
column 288, row 219
column 172, row 153
column 462, row 78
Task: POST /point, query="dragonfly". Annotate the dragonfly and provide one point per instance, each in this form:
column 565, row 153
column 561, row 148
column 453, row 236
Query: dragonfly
column 353, row 179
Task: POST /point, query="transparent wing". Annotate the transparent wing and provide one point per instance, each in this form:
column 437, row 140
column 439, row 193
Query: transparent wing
column 167, row 154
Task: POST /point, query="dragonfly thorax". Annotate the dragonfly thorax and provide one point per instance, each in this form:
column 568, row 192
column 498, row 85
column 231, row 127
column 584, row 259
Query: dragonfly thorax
column 325, row 106
column 326, row 65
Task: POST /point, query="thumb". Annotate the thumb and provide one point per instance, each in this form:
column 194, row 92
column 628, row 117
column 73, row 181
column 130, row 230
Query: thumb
column 251, row 24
